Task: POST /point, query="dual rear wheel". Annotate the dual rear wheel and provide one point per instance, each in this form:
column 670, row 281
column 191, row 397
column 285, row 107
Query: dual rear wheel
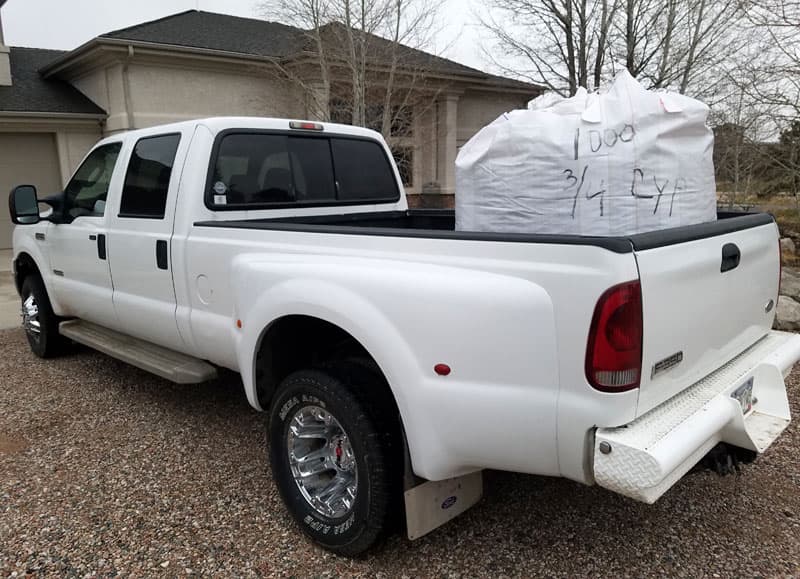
column 334, row 456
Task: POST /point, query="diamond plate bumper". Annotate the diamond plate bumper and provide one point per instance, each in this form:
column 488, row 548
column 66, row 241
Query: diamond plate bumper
column 653, row 452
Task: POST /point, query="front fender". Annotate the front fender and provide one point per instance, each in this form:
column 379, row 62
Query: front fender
column 497, row 407
column 24, row 243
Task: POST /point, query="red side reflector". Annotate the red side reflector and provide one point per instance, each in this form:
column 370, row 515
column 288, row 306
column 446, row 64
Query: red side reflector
column 614, row 351
column 442, row 369
column 305, row 125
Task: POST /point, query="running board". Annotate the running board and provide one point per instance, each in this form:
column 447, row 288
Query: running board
column 163, row 362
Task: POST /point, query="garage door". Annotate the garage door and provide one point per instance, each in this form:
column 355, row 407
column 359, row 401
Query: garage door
column 29, row 158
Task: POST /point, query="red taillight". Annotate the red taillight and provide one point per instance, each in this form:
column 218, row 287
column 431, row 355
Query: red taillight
column 614, row 352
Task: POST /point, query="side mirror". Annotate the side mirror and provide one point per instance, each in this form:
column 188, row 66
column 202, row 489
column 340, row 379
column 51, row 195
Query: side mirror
column 23, row 205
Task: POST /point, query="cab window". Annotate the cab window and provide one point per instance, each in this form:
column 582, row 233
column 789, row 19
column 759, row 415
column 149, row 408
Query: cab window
column 261, row 170
column 87, row 190
column 144, row 193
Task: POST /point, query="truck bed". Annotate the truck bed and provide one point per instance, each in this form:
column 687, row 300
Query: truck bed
column 440, row 224
column 688, row 297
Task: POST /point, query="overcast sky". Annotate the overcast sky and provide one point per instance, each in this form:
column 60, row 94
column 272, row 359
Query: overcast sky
column 66, row 24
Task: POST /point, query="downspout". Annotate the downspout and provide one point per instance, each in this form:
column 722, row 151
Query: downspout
column 126, row 88
column 436, row 135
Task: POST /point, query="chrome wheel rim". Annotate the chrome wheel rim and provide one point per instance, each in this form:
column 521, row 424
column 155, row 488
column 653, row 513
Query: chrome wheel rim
column 322, row 462
column 30, row 317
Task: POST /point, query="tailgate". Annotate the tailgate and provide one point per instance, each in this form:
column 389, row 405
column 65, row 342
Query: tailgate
column 697, row 317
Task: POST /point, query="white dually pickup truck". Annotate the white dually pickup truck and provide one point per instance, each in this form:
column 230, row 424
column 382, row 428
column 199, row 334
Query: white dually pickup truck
column 397, row 357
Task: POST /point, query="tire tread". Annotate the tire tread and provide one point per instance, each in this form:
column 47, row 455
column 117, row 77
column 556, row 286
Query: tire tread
column 353, row 385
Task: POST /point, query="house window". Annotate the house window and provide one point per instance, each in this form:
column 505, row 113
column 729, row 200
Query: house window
column 402, row 120
column 374, row 117
column 404, row 158
column 340, row 111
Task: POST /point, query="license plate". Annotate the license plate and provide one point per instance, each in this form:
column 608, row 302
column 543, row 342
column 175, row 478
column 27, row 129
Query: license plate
column 744, row 394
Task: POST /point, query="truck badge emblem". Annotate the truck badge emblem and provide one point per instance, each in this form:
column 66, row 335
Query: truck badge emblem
column 449, row 502
column 667, row 363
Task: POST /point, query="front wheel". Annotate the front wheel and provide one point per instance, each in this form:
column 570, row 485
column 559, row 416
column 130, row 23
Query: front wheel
column 38, row 319
column 333, row 458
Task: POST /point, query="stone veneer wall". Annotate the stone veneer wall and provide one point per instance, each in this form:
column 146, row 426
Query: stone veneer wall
column 431, row 201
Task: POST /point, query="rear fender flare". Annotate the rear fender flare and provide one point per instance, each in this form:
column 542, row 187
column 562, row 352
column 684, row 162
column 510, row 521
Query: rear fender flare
column 313, row 298
column 484, row 324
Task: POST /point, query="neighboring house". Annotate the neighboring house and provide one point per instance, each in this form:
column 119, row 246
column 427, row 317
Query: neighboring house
column 54, row 105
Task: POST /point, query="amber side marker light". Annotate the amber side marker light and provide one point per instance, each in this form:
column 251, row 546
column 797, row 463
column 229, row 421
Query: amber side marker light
column 239, row 324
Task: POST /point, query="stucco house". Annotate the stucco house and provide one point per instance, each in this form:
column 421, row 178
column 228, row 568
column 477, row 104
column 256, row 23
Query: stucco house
column 55, row 105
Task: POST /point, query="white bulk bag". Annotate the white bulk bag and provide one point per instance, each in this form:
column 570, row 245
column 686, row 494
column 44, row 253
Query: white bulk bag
column 618, row 162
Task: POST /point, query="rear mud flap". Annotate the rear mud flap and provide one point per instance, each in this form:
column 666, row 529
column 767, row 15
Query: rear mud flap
column 434, row 503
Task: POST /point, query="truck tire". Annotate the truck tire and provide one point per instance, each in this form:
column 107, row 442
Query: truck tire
column 38, row 319
column 334, row 457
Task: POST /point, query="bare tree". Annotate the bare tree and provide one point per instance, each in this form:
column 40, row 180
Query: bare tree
column 664, row 43
column 362, row 58
column 312, row 16
column 736, row 149
column 552, row 42
column 778, row 68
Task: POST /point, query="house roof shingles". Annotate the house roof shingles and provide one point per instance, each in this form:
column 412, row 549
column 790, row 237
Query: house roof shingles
column 216, row 32
column 380, row 51
column 261, row 38
column 30, row 92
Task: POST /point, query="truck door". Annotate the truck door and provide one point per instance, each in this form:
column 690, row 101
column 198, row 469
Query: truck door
column 140, row 232
column 78, row 246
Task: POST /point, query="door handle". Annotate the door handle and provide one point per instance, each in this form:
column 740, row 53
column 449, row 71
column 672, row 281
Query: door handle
column 730, row 257
column 161, row 254
column 101, row 245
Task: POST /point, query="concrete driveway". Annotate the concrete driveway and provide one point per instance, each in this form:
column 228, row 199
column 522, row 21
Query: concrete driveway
column 9, row 300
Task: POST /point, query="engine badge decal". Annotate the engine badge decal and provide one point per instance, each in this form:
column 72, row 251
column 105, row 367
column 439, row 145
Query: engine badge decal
column 667, row 363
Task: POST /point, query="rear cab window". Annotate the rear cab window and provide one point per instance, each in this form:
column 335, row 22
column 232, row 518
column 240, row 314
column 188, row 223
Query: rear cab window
column 264, row 169
column 361, row 173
